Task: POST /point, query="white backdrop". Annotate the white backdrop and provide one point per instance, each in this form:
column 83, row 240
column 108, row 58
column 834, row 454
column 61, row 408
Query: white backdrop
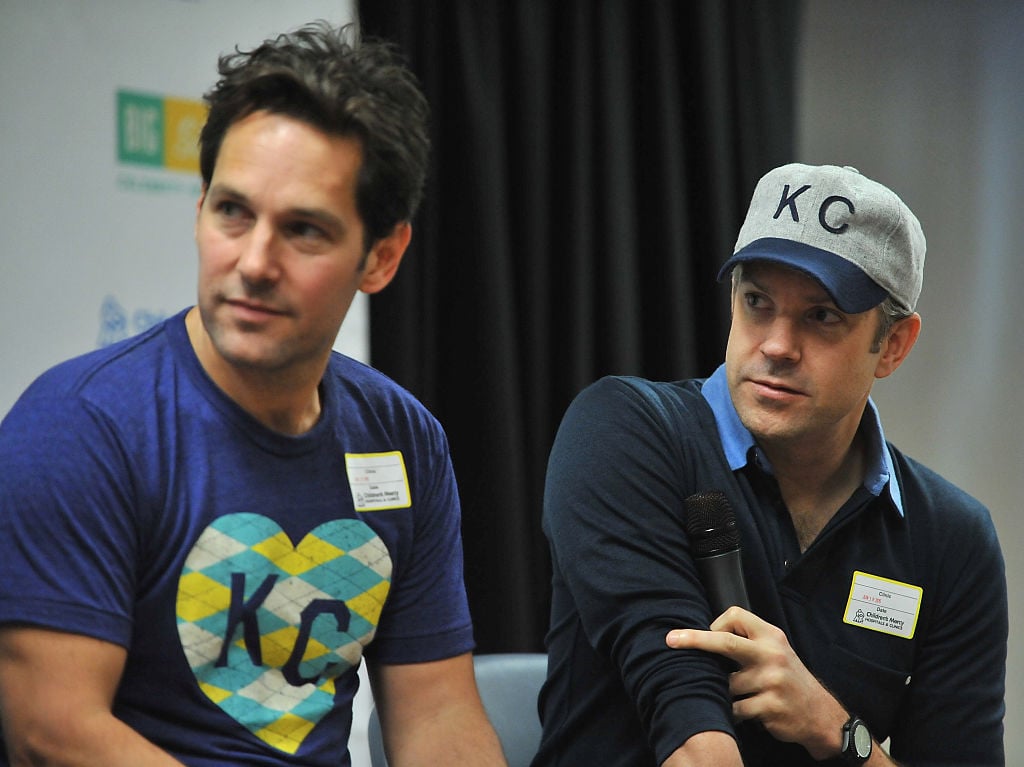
column 926, row 96
column 93, row 248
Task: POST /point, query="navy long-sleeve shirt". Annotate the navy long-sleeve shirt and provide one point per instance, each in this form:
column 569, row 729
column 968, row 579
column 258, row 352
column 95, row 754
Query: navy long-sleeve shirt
column 899, row 606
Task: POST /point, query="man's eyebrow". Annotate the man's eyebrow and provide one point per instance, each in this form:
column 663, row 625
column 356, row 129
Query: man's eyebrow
column 320, row 215
column 223, row 190
column 750, row 279
column 820, row 296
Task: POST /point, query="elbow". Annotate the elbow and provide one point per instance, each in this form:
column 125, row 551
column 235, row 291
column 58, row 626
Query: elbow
column 37, row 747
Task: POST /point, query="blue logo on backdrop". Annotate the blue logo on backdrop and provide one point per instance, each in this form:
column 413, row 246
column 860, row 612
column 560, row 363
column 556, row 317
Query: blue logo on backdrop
column 115, row 324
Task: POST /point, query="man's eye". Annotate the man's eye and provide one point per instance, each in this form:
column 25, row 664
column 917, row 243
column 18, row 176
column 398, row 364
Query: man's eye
column 754, row 300
column 826, row 316
column 229, row 209
column 307, row 231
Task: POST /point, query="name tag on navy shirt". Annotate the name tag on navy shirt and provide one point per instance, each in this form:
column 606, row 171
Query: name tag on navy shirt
column 882, row 604
column 378, row 481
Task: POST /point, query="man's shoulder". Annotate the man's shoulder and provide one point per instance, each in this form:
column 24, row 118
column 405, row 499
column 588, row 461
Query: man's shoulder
column 939, row 509
column 103, row 402
column 673, row 404
column 939, row 493
column 619, row 415
column 364, row 391
column 111, row 375
column 684, row 392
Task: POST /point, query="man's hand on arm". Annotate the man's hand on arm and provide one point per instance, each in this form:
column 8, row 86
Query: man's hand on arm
column 772, row 685
column 56, row 698
column 431, row 713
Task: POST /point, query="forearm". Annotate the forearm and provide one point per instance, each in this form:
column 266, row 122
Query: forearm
column 96, row 741
column 458, row 736
column 56, row 698
column 827, row 741
column 823, row 738
column 879, row 757
column 431, row 714
column 706, row 749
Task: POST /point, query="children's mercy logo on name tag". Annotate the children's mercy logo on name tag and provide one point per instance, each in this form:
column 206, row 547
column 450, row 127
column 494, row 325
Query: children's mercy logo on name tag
column 378, row 481
column 885, row 605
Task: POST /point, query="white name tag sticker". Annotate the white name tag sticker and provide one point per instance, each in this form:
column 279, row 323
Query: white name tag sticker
column 885, row 605
column 378, row 481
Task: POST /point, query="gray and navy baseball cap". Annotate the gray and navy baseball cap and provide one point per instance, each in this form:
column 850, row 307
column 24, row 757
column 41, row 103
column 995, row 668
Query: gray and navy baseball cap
column 853, row 235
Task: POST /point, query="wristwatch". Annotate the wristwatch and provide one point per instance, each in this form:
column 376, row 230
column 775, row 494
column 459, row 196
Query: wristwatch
column 856, row 741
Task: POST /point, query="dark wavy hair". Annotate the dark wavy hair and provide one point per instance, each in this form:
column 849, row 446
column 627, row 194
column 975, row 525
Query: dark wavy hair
column 327, row 78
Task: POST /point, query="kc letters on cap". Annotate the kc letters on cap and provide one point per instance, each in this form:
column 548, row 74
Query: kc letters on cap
column 854, row 235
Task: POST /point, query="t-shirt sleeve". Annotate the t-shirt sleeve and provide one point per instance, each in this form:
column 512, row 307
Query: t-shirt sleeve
column 426, row 616
column 67, row 538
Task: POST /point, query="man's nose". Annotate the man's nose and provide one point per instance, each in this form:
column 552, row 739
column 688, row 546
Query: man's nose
column 259, row 259
column 781, row 340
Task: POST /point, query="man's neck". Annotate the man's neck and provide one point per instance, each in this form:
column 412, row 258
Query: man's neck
column 289, row 409
column 288, row 403
column 815, row 482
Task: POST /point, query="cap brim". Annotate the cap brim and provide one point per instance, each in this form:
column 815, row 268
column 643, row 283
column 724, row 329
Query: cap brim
column 848, row 285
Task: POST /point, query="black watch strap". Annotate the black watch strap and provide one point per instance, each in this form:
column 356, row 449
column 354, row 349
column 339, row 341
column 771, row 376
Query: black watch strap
column 856, row 741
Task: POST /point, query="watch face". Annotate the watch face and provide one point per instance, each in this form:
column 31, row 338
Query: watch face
column 861, row 740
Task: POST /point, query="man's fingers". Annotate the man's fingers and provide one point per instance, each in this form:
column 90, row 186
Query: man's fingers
column 744, row 709
column 736, row 648
column 736, row 620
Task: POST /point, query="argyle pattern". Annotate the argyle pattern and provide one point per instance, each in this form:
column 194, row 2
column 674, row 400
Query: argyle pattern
column 267, row 625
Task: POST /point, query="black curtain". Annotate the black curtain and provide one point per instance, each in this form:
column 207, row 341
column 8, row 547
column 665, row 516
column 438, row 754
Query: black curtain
column 592, row 162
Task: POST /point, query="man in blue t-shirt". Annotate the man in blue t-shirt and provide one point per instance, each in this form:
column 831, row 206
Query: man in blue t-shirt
column 205, row 529
column 876, row 589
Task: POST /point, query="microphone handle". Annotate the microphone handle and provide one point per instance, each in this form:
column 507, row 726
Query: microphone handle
column 722, row 575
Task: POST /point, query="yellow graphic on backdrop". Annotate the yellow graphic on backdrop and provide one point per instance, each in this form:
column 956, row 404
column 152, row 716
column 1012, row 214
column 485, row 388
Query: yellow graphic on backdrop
column 183, row 122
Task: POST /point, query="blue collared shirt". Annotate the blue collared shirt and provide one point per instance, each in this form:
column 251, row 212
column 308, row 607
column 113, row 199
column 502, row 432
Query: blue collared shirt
column 737, row 440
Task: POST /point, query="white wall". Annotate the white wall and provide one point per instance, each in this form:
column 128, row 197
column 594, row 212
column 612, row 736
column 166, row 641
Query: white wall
column 927, row 97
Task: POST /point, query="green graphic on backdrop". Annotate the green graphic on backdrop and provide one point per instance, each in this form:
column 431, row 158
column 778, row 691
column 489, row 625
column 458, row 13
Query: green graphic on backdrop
column 159, row 131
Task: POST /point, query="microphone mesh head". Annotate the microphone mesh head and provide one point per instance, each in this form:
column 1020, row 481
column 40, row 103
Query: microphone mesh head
column 711, row 524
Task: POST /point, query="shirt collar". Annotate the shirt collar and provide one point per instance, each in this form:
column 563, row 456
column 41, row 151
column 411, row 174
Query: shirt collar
column 737, row 441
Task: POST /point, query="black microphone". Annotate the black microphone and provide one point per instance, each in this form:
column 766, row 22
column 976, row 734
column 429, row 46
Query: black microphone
column 715, row 542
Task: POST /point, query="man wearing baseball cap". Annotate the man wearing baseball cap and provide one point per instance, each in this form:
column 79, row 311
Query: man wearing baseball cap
column 875, row 607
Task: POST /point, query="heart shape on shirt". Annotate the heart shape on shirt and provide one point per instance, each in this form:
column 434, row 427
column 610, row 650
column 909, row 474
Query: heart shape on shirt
column 267, row 626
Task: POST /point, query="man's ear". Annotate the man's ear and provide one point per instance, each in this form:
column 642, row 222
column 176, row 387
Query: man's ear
column 901, row 340
column 199, row 209
column 384, row 257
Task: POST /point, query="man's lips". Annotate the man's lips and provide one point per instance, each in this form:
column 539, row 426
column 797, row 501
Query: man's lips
column 252, row 310
column 773, row 388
